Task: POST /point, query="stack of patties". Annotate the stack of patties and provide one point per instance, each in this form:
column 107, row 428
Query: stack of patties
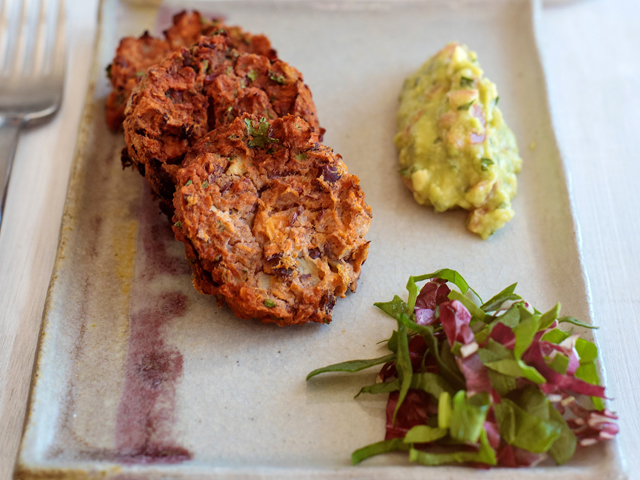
column 227, row 137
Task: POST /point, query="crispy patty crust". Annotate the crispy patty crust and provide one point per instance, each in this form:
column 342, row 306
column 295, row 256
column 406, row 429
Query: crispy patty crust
column 274, row 225
column 198, row 89
column 135, row 55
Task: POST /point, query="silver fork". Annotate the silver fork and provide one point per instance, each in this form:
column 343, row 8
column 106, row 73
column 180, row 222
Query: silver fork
column 32, row 66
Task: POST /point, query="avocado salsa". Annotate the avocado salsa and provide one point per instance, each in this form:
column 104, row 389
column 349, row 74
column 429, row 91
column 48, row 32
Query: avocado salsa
column 455, row 149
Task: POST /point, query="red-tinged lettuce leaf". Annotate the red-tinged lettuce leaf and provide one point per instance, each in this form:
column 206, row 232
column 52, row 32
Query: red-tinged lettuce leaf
column 352, row 365
column 519, row 428
column 548, row 318
column 424, row 434
column 415, row 410
column 509, row 319
column 565, row 446
column 386, row 446
column 555, row 336
column 431, row 295
column 514, row 457
column 393, row 308
column 468, row 417
column 475, row 374
column 503, row 335
column 534, row 356
column 575, row 321
column 403, row 363
column 485, row 455
column 455, row 319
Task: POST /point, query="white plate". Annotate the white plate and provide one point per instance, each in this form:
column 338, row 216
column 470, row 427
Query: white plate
column 136, row 367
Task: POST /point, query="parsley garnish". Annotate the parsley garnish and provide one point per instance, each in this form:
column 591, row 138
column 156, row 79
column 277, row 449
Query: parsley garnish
column 260, row 135
column 205, row 184
column 233, row 137
column 221, row 226
column 253, row 74
column 188, row 183
column 277, row 78
column 205, row 66
column 301, row 156
column 484, row 164
column 178, row 224
column 269, row 303
column 140, row 74
column 466, row 82
column 466, row 106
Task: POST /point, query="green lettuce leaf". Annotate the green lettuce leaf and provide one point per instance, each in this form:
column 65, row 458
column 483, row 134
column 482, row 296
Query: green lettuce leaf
column 352, row 365
column 575, row 321
column 446, row 274
column 448, row 369
column 589, row 373
column 424, row 434
column 559, row 363
column 519, row 428
column 565, row 446
column 467, row 417
column 524, row 332
column 548, row 318
column 393, row 308
column 485, row 454
column 498, row 299
column 428, row 382
column 403, row 365
column 445, row 410
column 474, row 310
column 386, row 446
column 586, row 350
column 555, row 336
column 503, row 384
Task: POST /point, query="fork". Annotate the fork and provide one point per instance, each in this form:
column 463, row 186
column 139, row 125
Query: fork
column 32, row 66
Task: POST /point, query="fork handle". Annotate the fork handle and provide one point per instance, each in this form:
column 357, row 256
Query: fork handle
column 9, row 133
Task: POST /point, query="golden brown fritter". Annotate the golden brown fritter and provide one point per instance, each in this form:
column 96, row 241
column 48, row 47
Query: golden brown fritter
column 273, row 223
column 198, row 89
column 135, row 55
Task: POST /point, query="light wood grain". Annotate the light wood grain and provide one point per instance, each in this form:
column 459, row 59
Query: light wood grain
column 592, row 63
column 29, row 235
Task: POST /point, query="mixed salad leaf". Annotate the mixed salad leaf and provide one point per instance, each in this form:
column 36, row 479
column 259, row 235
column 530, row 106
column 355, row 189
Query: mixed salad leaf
column 483, row 384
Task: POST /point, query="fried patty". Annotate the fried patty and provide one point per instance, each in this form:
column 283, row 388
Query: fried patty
column 198, row 89
column 274, row 225
column 135, row 55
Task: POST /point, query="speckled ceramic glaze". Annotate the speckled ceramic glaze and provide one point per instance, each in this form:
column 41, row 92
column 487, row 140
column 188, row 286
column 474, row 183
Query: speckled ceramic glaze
column 138, row 376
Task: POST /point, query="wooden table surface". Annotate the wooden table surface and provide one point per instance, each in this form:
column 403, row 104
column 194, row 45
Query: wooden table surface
column 591, row 52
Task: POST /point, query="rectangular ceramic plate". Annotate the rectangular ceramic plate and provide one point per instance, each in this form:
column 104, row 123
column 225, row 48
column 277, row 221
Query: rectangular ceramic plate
column 138, row 376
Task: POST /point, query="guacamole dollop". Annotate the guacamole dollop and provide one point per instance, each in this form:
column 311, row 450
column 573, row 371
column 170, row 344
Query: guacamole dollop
column 455, row 149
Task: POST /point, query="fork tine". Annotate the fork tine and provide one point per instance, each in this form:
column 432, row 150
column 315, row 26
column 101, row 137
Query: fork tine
column 59, row 51
column 23, row 34
column 8, row 30
column 32, row 36
column 41, row 38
